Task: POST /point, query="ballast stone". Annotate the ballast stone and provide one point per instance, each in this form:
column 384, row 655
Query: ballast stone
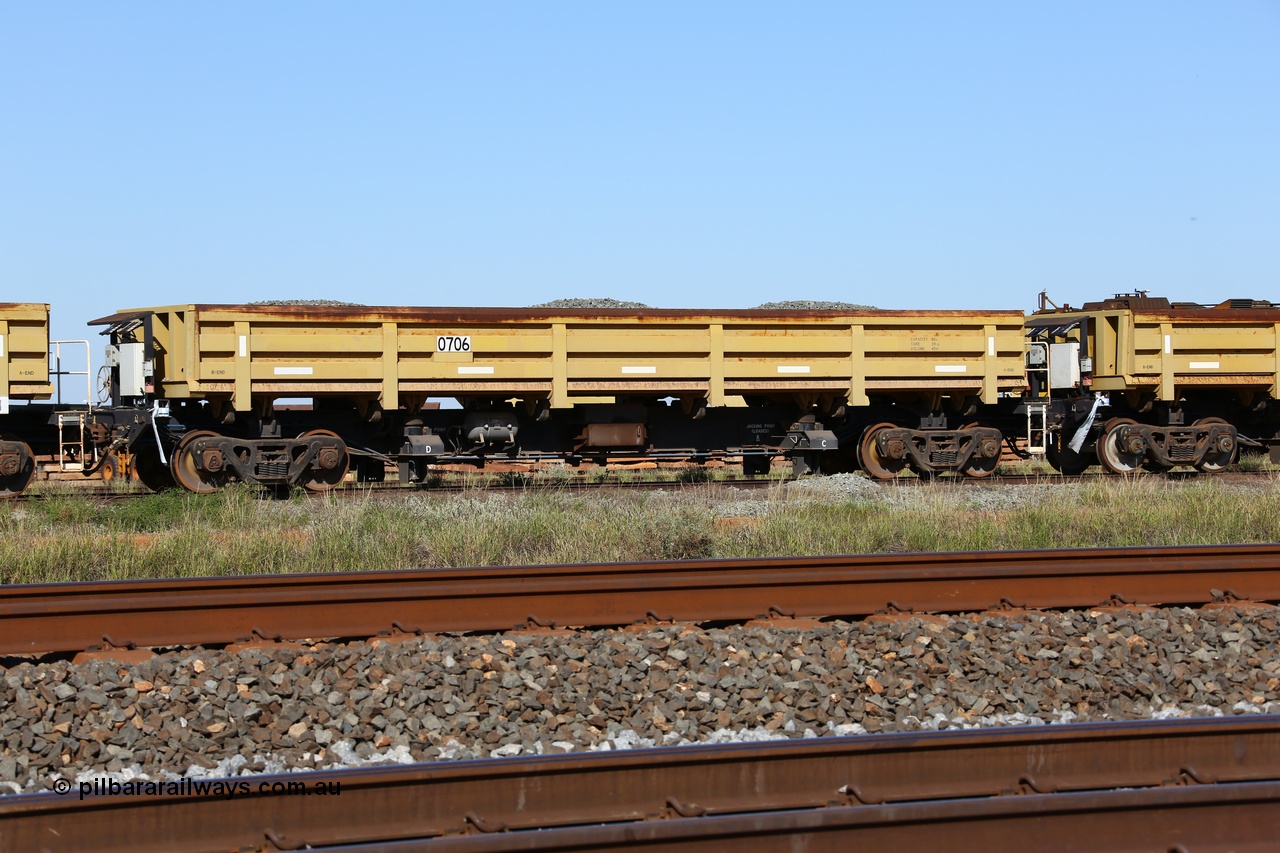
column 472, row 696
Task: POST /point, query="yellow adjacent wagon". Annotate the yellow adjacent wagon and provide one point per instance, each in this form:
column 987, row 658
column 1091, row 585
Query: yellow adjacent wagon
column 1161, row 384
column 24, row 375
column 24, row 352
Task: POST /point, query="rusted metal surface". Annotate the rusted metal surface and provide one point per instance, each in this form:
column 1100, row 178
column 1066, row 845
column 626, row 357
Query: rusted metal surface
column 203, row 461
column 17, row 466
column 879, row 787
column 885, row 450
column 1229, row 818
column 504, row 314
column 611, row 435
column 518, row 478
column 1209, row 445
column 37, row 618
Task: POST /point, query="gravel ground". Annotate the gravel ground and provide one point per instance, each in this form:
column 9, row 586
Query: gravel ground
column 960, row 495
column 443, row 697
column 855, row 487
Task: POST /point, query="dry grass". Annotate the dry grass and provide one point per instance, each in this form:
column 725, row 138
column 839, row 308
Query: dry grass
column 67, row 537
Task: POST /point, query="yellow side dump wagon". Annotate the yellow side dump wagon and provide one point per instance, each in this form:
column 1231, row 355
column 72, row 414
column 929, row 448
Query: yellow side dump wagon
column 893, row 387
column 24, row 375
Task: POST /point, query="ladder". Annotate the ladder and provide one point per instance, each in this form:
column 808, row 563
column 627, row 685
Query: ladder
column 71, row 442
column 1037, row 428
column 1037, row 366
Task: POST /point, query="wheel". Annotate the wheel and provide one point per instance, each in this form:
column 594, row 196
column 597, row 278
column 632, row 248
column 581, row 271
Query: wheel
column 333, row 464
column 115, row 469
column 191, row 475
column 1114, row 458
column 16, row 471
column 1063, row 459
column 981, row 466
column 873, row 462
column 1216, row 460
column 151, row 472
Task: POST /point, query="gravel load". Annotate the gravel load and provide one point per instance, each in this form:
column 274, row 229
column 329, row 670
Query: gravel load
column 315, row 303
column 442, row 697
column 811, row 305
column 590, row 303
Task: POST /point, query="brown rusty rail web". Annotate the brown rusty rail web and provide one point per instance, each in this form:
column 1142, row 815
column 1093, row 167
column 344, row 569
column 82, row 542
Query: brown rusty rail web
column 42, row 618
column 874, row 788
column 1227, row 818
column 920, row 775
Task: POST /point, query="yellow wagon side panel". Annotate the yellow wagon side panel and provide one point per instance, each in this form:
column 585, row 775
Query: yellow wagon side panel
column 386, row 354
column 1177, row 354
column 1171, row 353
column 24, row 352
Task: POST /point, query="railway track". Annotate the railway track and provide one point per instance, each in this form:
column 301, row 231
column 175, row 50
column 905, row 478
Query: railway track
column 69, row 617
column 508, row 484
column 1201, row 784
column 498, row 485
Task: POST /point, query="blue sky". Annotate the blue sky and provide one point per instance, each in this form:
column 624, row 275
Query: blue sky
column 926, row 155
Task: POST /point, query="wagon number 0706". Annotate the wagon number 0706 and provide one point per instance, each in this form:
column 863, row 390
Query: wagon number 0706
column 453, row 343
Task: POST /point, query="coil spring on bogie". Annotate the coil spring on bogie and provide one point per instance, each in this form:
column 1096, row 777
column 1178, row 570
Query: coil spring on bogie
column 942, row 457
column 265, row 470
column 1182, row 452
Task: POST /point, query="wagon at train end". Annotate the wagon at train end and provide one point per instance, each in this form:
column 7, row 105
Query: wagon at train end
column 1137, row 382
column 24, row 376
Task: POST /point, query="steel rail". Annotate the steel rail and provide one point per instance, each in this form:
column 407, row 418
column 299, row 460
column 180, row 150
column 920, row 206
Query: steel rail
column 40, row 618
column 1216, row 819
column 93, row 489
column 492, row 484
column 869, row 783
